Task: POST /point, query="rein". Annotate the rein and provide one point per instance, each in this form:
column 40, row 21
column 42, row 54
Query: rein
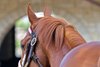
column 30, row 52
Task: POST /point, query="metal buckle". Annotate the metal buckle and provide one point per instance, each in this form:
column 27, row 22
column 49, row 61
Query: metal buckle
column 33, row 41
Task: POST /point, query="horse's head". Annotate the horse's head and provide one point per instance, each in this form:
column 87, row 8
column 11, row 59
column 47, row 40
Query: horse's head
column 55, row 37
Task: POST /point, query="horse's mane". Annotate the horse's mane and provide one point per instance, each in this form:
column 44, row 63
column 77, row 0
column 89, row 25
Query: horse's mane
column 51, row 31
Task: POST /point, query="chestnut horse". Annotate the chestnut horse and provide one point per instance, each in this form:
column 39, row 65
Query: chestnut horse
column 86, row 55
column 55, row 38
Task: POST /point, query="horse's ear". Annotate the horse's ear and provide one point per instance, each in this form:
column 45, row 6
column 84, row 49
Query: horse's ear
column 31, row 15
column 47, row 11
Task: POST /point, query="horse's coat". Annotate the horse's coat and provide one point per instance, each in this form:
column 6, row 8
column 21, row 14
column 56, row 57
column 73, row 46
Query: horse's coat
column 86, row 55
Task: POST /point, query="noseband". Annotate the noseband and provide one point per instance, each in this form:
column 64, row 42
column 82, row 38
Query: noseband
column 30, row 51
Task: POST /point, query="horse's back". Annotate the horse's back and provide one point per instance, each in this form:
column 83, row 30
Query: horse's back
column 85, row 55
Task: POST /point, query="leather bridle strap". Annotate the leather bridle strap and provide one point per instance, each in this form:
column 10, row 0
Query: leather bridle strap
column 36, row 60
column 30, row 52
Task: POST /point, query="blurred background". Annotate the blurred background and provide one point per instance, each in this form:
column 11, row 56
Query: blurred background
column 83, row 14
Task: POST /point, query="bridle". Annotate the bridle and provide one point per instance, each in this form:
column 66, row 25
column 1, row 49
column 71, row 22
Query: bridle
column 30, row 52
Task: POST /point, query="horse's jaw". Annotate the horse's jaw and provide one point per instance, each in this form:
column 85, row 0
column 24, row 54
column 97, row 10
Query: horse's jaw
column 55, row 56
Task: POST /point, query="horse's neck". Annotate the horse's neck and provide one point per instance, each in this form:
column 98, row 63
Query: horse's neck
column 73, row 38
column 55, row 56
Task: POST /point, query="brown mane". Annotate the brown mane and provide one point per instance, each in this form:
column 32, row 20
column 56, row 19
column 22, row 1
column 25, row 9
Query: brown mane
column 51, row 31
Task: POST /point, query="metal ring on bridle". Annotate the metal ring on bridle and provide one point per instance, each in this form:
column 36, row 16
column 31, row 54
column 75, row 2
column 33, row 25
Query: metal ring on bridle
column 33, row 41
